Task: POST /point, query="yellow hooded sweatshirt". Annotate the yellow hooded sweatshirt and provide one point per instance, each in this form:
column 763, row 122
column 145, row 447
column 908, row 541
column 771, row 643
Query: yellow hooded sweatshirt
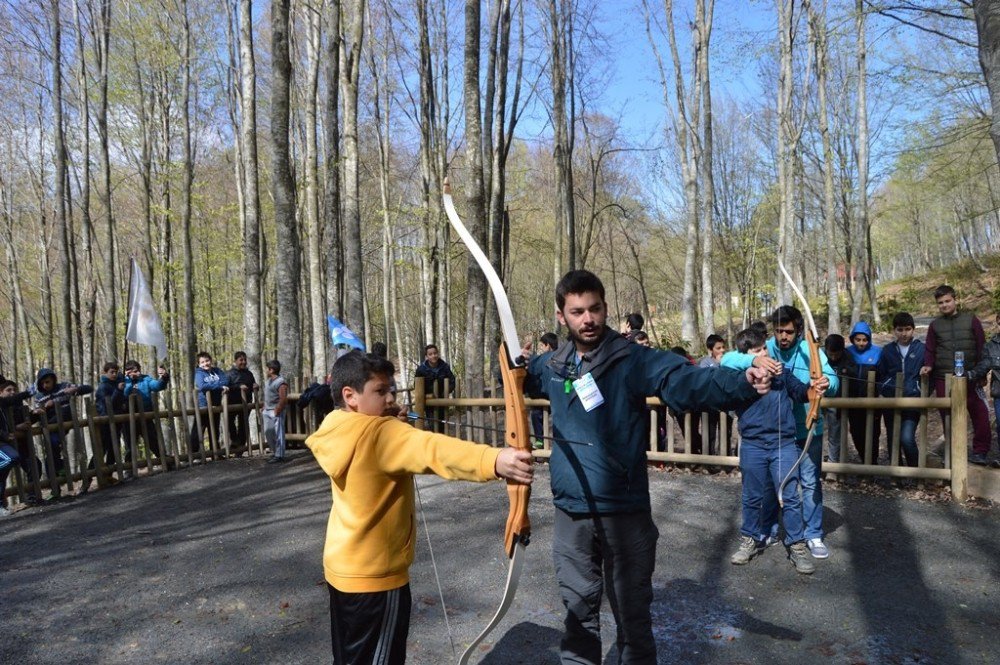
column 371, row 461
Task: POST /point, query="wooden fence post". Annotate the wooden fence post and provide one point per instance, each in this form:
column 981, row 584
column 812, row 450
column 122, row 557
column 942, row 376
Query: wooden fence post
column 959, row 439
column 896, row 443
column 419, row 403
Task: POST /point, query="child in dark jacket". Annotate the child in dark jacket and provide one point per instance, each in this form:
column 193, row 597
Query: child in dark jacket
column 904, row 355
column 843, row 364
column 51, row 399
column 12, row 428
column 109, row 400
column 990, row 362
column 768, row 455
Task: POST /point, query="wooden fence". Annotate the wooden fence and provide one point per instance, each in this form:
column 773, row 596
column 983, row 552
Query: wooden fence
column 480, row 419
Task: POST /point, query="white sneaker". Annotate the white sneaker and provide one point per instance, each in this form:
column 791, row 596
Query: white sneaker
column 4, row 512
column 817, row 548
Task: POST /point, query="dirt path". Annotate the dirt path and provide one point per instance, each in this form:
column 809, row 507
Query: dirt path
column 221, row 564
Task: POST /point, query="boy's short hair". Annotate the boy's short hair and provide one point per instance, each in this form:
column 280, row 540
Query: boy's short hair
column 787, row 314
column 749, row 338
column 680, row 350
column 6, row 383
column 640, row 336
column 354, row 369
column 380, row 349
column 759, row 326
column 131, row 365
column 273, row 365
column 578, row 281
column 835, row 343
column 240, row 355
column 204, row 354
column 634, row 320
column 903, row 320
column 550, row 340
column 944, row 290
column 712, row 340
column 108, row 366
column 429, row 347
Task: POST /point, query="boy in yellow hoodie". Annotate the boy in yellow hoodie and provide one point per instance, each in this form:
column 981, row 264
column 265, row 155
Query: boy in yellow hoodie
column 371, row 456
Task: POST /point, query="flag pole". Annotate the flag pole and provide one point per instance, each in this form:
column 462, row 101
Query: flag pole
column 128, row 318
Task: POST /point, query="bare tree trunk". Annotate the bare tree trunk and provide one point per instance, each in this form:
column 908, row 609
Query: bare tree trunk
column 85, row 321
column 560, row 52
column 332, row 244
column 476, row 295
column 288, row 270
column 818, row 30
column 988, row 28
column 317, row 300
column 430, row 260
column 252, row 334
column 354, row 291
column 863, row 234
column 62, row 215
column 703, row 25
column 186, row 193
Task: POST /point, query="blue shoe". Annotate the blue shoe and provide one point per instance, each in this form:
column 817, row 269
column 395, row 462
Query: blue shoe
column 817, row 548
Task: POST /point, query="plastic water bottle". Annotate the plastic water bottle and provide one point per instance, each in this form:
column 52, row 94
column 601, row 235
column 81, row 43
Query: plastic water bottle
column 959, row 363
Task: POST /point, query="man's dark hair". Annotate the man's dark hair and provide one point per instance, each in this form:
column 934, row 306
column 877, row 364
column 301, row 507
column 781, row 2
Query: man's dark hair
column 380, row 349
column 429, row 347
column 275, row 365
column 111, row 364
column 787, row 314
column 749, row 338
column 354, row 369
column 132, row 365
column 240, row 355
column 834, row 343
column 944, row 290
column 760, row 326
column 550, row 340
column 634, row 320
column 204, row 354
column 578, row 281
column 713, row 340
column 903, row 320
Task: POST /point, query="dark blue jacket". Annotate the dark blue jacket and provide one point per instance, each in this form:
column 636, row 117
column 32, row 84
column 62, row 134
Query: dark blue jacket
column 58, row 395
column 771, row 419
column 598, row 462
column 866, row 360
column 146, row 385
column 891, row 363
column 209, row 381
column 106, row 388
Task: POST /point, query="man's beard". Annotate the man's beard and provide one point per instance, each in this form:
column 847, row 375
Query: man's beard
column 576, row 339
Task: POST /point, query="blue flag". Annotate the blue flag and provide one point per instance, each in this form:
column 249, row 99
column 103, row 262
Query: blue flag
column 341, row 334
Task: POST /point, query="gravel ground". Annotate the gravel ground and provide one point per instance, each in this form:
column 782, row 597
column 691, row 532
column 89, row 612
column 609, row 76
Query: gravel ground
column 222, row 564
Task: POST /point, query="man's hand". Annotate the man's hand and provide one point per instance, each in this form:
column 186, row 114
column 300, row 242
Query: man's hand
column 821, row 384
column 72, row 390
column 526, row 348
column 925, row 370
column 121, row 386
column 760, row 379
column 768, row 363
column 516, row 465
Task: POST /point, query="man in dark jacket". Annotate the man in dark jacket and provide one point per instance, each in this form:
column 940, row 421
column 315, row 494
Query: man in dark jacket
column 958, row 332
column 109, row 400
column 597, row 384
column 242, row 390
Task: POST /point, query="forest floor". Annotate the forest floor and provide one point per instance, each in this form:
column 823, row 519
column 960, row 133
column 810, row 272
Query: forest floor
column 222, row 564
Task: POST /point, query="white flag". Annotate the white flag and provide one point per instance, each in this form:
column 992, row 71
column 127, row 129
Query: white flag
column 143, row 323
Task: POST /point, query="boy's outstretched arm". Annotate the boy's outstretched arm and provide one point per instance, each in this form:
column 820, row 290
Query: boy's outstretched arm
column 516, row 465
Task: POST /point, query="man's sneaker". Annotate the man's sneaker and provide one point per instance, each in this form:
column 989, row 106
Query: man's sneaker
column 978, row 459
column 749, row 548
column 4, row 512
column 817, row 548
column 798, row 554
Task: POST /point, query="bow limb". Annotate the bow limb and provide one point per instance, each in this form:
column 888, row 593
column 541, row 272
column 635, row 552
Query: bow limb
column 518, row 528
column 815, row 374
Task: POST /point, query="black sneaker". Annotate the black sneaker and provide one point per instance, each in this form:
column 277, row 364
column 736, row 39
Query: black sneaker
column 978, row 459
column 749, row 548
column 799, row 555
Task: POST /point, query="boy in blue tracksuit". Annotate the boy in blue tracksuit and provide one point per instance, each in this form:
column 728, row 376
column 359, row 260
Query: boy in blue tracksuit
column 865, row 356
column 904, row 355
column 208, row 379
column 144, row 386
column 767, row 456
column 789, row 349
